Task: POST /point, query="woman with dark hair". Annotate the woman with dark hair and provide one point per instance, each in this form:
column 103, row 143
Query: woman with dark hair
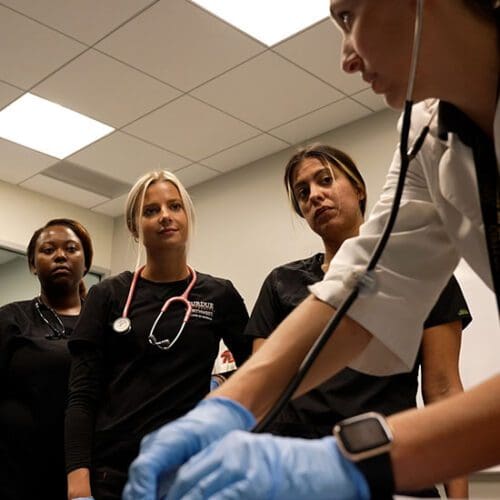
column 34, row 363
column 326, row 189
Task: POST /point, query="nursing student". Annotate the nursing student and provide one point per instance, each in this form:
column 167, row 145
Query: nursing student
column 35, row 363
column 449, row 210
column 146, row 342
column 326, row 188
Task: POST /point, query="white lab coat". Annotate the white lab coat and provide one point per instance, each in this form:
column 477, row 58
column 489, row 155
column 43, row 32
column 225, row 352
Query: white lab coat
column 439, row 221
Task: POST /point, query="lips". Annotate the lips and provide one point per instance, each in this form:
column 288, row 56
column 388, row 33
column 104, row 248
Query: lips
column 167, row 230
column 321, row 211
column 61, row 270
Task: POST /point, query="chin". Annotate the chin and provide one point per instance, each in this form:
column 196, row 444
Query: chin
column 395, row 100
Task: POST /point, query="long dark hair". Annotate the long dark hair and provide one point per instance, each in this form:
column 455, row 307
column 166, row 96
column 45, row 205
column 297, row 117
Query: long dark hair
column 83, row 236
column 327, row 155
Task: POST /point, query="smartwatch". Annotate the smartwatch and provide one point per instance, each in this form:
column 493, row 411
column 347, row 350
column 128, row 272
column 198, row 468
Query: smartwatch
column 366, row 440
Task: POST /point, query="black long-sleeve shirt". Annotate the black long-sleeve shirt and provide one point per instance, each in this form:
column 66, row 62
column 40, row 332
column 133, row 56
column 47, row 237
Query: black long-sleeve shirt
column 121, row 386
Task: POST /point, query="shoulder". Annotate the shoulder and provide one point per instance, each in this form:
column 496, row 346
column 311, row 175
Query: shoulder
column 112, row 285
column 18, row 307
column 215, row 288
column 217, row 283
column 309, row 269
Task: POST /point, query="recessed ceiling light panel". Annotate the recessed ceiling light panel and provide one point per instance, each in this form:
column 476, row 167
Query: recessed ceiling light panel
column 48, row 127
column 269, row 21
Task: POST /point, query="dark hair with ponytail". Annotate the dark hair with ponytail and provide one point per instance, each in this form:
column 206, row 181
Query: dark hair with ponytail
column 326, row 155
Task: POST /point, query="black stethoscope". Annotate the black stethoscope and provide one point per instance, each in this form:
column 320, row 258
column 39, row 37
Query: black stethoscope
column 58, row 331
column 364, row 282
column 123, row 325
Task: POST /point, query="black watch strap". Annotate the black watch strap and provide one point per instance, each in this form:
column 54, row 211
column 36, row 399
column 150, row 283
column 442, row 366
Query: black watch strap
column 378, row 474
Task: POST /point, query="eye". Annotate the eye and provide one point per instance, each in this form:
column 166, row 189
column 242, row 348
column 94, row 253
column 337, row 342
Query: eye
column 72, row 248
column 176, row 206
column 149, row 211
column 345, row 20
column 302, row 193
column 46, row 250
column 326, row 180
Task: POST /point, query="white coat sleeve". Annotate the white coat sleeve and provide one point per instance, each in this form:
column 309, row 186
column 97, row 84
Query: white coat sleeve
column 414, row 268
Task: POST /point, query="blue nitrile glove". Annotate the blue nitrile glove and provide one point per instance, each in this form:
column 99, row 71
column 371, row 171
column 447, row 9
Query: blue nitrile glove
column 165, row 450
column 262, row 466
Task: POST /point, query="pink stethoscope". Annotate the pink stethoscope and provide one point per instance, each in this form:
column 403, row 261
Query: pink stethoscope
column 123, row 324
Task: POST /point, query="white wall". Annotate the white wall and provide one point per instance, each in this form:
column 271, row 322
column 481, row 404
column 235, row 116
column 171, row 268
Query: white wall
column 245, row 225
column 23, row 211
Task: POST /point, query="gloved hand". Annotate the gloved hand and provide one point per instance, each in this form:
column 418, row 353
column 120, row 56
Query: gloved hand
column 164, row 450
column 262, row 466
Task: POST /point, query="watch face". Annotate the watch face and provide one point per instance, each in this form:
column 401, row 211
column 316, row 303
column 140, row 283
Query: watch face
column 360, row 435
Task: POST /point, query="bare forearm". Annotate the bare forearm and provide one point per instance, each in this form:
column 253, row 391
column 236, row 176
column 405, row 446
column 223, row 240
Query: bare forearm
column 448, row 439
column 260, row 381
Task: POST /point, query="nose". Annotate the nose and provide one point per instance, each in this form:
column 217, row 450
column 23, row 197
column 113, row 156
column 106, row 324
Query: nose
column 164, row 216
column 60, row 255
column 350, row 61
column 316, row 193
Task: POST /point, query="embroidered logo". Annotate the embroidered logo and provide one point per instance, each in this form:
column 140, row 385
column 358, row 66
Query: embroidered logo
column 202, row 310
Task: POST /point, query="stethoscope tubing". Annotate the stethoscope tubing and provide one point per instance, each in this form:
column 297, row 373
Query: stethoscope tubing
column 122, row 324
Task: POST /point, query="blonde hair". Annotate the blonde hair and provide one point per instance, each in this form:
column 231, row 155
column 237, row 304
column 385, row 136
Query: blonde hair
column 135, row 204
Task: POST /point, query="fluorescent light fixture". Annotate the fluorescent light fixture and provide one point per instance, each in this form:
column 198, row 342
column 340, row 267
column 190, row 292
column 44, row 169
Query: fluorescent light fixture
column 269, row 21
column 48, row 127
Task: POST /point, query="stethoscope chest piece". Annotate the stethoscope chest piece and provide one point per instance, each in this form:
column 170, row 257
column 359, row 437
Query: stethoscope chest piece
column 122, row 325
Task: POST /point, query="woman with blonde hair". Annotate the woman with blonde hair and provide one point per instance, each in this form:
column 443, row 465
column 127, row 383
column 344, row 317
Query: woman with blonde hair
column 144, row 348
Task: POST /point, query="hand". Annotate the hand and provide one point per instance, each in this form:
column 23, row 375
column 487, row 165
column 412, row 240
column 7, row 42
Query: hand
column 165, row 450
column 262, row 466
column 79, row 484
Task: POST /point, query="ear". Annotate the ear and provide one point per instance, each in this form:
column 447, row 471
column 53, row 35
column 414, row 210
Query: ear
column 360, row 194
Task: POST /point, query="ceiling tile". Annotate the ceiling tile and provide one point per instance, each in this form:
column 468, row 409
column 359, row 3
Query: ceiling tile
column 180, row 43
column 62, row 191
column 245, row 153
column 87, row 179
column 113, row 208
column 195, row 174
column 126, row 158
column 191, row 128
column 8, row 93
column 266, row 83
column 111, row 91
column 17, row 163
column 86, row 21
column 371, row 100
column 320, row 121
column 31, row 51
column 317, row 50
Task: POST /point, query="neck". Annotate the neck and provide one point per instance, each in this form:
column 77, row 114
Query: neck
column 165, row 269
column 62, row 301
column 470, row 79
column 332, row 246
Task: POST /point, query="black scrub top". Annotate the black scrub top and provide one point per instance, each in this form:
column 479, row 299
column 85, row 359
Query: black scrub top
column 349, row 392
column 131, row 387
column 33, row 384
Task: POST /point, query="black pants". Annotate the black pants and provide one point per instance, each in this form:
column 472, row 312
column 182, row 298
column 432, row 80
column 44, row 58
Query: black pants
column 107, row 483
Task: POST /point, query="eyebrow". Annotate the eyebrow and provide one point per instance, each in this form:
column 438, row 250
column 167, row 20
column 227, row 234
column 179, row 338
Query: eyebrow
column 301, row 183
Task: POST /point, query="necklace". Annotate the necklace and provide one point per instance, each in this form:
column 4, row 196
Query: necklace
column 55, row 324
